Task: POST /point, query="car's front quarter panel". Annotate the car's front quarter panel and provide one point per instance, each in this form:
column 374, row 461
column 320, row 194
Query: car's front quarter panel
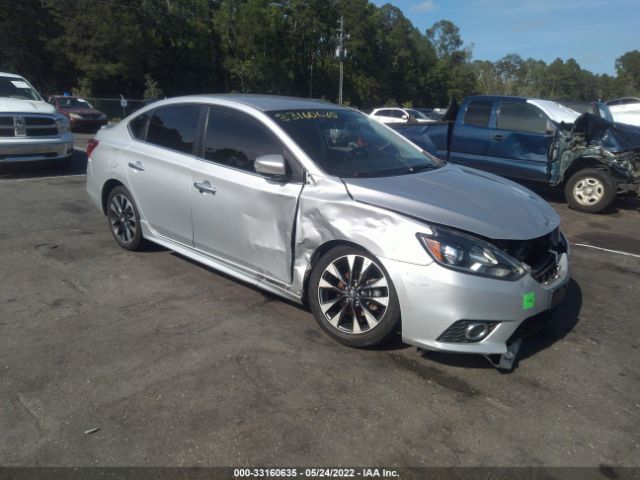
column 327, row 213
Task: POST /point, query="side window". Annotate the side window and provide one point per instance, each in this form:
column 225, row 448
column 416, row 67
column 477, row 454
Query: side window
column 385, row 113
column 478, row 113
column 235, row 140
column 521, row 117
column 175, row 127
column 138, row 126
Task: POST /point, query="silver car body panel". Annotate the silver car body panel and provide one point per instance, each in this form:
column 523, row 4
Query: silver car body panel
column 268, row 233
column 462, row 198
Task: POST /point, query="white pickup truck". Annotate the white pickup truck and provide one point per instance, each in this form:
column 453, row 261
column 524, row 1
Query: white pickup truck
column 30, row 128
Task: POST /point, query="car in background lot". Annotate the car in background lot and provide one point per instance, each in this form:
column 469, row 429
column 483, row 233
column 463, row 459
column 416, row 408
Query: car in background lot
column 398, row 115
column 81, row 115
column 433, row 114
column 319, row 203
column 539, row 141
column 30, row 128
column 625, row 110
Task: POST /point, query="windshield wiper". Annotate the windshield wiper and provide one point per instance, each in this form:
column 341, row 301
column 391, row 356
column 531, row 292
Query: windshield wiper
column 421, row 168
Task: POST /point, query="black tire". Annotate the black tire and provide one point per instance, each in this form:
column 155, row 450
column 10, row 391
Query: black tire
column 602, row 186
column 362, row 318
column 124, row 220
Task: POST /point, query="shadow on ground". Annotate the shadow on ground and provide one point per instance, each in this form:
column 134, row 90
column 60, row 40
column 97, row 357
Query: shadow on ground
column 53, row 168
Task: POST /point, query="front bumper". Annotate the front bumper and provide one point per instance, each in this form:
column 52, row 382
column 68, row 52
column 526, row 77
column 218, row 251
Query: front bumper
column 432, row 298
column 33, row 149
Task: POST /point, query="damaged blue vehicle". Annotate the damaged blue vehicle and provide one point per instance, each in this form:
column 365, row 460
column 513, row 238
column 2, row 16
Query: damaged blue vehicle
column 590, row 156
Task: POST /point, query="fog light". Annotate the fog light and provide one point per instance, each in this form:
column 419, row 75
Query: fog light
column 476, row 331
column 468, row 331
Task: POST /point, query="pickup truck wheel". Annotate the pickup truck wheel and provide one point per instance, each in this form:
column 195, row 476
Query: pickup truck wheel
column 590, row 190
column 353, row 299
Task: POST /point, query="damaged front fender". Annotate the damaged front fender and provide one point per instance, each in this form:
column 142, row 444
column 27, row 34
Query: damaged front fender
column 595, row 142
column 327, row 213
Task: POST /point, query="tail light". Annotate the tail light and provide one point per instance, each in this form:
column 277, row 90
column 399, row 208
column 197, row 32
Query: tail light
column 91, row 146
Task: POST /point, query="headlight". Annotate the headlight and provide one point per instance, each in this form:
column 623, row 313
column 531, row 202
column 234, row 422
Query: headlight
column 75, row 116
column 103, row 116
column 471, row 255
column 63, row 124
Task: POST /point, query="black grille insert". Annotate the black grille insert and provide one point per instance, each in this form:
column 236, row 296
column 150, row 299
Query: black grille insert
column 456, row 332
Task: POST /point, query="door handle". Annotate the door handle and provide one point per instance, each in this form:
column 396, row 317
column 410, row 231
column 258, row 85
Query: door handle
column 136, row 166
column 498, row 138
column 205, row 187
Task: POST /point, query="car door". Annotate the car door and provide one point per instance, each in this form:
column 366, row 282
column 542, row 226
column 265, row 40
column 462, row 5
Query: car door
column 159, row 166
column 470, row 139
column 519, row 145
column 240, row 216
column 385, row 116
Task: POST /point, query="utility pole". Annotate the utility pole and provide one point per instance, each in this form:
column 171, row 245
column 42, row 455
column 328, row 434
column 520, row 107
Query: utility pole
column 340, row 52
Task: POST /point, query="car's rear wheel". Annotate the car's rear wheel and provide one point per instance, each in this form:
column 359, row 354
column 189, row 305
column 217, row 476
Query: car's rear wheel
column 590, row 190
column 353, row 299
column 124, row 219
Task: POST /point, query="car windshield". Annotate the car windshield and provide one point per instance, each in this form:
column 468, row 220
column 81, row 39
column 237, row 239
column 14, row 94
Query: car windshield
column 70, row 102
column 345, row 143
column 418, row 114
column 13, row 87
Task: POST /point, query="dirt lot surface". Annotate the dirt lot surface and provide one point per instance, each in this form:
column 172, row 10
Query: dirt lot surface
column 176, row 364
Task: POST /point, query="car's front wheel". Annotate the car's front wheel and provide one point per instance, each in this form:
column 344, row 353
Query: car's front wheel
column 353, row 299
column 590, row 190
column 124, row 219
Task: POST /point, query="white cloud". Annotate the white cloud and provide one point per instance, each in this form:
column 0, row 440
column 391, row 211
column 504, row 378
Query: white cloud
column 425, row 6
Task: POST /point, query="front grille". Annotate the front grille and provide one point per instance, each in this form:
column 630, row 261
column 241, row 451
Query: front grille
column 42, row 132
column 91, row 116
column 456, row 332
column 22, row 126
column 540, row 253
column 39, row 121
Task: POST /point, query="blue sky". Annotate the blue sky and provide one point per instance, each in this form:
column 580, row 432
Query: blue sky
column 594, row 32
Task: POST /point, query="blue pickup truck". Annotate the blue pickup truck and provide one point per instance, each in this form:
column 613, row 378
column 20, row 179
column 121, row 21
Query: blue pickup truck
column 538, row 141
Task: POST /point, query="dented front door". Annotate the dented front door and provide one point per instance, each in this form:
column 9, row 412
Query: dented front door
column 239, row 216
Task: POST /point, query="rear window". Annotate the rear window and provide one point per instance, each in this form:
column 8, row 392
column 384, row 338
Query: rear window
column 175, row 127
column 478, row 113
column 138, row 126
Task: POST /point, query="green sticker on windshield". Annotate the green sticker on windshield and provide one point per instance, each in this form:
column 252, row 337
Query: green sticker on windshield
column 528, row 300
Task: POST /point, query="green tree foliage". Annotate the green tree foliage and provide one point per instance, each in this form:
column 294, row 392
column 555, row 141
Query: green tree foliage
column 153, row 48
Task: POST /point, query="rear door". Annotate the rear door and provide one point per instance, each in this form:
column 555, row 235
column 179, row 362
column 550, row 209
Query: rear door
column 519, row 144
column 470, row 139
column 240, row 216
column 159, row 165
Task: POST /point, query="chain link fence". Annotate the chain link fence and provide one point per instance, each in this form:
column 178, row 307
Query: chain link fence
column 113, row 108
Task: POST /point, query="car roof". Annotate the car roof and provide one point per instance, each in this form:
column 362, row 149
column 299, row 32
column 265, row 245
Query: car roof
column 11, row 75
column 267, row 103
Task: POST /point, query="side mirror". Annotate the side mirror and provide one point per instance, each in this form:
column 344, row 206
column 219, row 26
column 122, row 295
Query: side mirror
column 405, row 117
column 272, row 165
column 550, row 129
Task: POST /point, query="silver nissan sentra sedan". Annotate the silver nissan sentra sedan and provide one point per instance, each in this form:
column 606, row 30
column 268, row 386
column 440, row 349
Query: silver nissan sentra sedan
column 322, row 205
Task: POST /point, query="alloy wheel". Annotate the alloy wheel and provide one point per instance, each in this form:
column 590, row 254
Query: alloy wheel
column 353, row 294
column 122, row 218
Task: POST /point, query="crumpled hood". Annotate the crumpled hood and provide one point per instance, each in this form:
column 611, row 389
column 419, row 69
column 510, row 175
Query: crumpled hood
column 462, row 198
column 15, row 105
column 614, row 137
